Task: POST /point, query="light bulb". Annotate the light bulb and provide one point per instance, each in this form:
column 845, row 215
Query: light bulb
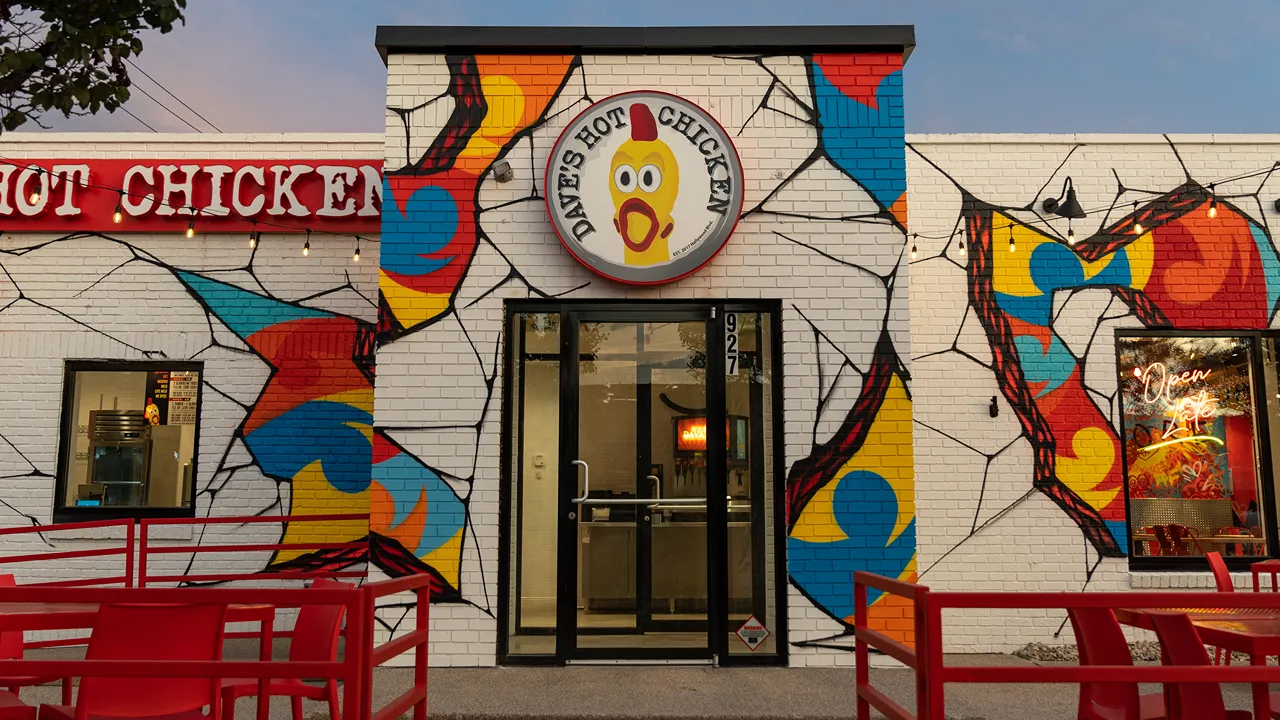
column 34, row 197
column 1137, row 228
column 118, row 216
column 1012, row 246
column 306, row 248
column 191, row 229
column 1071, row 236
column 253, row 239
column 355, row 257
column 962, row 247
column 1213, row 208
column 914, row 253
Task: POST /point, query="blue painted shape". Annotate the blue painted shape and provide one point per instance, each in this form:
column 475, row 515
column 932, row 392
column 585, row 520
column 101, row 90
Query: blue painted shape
column 427, row 225
column 1270, row 265
column 866, row 510
column 1117, row 528
column 405, row 478
column 316, row 430
column 866, row 143
column 245, row 312
column 1053, row 366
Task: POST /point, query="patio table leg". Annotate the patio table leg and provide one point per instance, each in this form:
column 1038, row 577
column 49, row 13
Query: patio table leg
column 265, row 654
column 1261, row 693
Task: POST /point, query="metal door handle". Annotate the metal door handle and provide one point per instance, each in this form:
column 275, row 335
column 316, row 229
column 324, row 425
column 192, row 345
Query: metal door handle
column 657, row 486
column 586, row 481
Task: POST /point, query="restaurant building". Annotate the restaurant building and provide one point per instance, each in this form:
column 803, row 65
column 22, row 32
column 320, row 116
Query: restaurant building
column 651, row 382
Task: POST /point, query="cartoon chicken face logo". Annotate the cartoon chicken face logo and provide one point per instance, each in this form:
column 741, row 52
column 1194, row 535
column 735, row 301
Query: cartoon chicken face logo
column 152, row 412
column 644, row 183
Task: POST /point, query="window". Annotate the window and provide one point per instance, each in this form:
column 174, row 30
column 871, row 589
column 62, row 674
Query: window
column 130, row 433
column 1191, row 446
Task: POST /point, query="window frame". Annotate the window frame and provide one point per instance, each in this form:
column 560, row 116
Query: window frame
column 63, row 513
column 1266, row 470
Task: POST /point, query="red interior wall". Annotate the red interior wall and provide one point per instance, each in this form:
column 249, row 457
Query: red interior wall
column 1240, row 460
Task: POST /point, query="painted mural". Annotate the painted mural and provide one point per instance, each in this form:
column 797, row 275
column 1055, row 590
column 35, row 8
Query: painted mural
column 307, row 424
column 1043, row 301
column 453, row 248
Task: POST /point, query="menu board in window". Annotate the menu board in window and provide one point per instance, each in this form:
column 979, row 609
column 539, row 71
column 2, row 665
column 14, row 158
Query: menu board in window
column 183, row 389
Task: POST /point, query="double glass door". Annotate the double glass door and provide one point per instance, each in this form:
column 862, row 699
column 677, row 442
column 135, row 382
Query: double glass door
column 664, row 539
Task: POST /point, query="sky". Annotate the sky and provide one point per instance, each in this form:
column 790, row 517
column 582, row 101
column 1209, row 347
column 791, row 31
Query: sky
column 1115, row 66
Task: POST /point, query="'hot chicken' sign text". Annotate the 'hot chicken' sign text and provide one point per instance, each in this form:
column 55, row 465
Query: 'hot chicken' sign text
column 68, row 195
column 644, row 187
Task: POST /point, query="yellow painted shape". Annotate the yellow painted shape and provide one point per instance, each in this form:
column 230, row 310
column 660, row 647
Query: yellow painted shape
column 447, row 559
column 1011, row 271
column 411, row 307
column 1095, row 455
column 505, row 100
column 362, row 398
column 818, row 521
column 312, row 494
column 1142, row 257
column 888, row 452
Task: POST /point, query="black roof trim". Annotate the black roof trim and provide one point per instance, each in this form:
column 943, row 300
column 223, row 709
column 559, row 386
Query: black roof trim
column 762, row 39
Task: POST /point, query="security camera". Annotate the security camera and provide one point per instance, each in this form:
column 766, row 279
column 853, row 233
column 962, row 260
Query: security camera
column 502, row 171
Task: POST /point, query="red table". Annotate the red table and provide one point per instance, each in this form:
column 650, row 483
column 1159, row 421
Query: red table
column 74, row 616
column 1253, row 631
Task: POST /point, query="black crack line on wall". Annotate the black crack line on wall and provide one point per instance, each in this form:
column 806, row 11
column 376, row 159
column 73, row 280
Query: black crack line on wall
column 403, row 114
column 980, row 528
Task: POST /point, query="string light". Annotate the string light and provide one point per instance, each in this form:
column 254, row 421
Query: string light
column 118, row 216
column 1213, row 203
column 253, row 235
column 191, row 226
column 355, row 257
column 1071, row 235
column 961, row 234
column 1012, row 246
column 1137, row 226
column 306, row 246
column 914, row 253
column 35, row 194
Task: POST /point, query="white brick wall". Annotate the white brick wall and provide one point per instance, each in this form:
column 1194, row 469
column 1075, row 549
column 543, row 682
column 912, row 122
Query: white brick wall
column 431, row 377
column 1032, row 544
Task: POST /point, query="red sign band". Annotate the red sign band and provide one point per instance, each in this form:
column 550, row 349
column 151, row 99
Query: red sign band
column 70, row 195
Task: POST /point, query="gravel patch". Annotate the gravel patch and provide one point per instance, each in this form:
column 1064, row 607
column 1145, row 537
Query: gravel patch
column 1142, row 651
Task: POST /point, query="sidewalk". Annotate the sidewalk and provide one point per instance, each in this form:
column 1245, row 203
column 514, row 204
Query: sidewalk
column 632, row 692
column 626, row 692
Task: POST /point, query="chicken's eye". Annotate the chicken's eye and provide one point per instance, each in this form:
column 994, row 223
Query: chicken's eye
column 624, row 176
column 650, row 178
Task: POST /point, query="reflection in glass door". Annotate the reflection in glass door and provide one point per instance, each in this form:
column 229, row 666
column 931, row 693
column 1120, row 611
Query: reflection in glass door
column 641, row 483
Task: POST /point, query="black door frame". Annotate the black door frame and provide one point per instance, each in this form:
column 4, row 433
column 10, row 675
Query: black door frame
column 571, row 313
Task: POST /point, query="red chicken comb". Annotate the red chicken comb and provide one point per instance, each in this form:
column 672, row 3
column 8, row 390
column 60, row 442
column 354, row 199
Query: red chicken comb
column 643, row 127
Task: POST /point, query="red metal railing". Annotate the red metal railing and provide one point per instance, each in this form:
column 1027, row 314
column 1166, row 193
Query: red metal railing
column 350, row 669
column 417, row 640
column 125, row 550
column 932, row 674
column 146, row 548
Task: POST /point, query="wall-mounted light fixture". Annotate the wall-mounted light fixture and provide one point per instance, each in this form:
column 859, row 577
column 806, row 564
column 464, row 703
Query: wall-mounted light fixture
column 502, row 171
column 1068, row 207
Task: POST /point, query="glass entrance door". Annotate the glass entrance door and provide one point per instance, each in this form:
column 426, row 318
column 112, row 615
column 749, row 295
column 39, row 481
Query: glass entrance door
column 639, row 480
column 643, row 485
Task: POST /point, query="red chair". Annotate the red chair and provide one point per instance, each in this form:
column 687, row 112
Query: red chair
column 1180, row 645
column 11, row 648
column 1221, row 576
column 149, row 632
column 1165, row 542
column 315, row 638
column 1100, row 641
column 1180, row 535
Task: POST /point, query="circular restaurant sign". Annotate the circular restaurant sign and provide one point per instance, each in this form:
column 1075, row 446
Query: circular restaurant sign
column 644, row 187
